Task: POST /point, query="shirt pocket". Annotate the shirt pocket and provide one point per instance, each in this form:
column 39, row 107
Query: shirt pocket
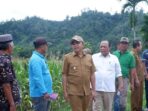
column 88, row 68
column 74, row 70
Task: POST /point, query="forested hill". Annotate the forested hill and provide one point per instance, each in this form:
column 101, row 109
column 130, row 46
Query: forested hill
column 93, row 26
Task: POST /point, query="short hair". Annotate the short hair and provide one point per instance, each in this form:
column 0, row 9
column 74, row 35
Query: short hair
column 38, row 42
column 136, row 43
column 105, row 41
column 4, row 46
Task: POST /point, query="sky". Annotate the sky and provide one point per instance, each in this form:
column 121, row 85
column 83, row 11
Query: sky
column 57, row 9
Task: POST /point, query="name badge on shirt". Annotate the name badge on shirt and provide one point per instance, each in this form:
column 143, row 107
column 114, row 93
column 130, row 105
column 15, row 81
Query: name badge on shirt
column 74, row 68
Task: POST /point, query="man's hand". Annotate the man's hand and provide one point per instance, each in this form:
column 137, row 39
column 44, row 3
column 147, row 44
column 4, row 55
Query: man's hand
column 132, row 87
column 137, row 83
column 46, row 96
column 120, row 82
column 93, row 95
column 120, row 87
column 12, row 107
column 146, row 76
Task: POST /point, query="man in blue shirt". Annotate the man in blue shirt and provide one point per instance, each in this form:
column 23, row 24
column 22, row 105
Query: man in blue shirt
column 145, row 59
column 40, row 81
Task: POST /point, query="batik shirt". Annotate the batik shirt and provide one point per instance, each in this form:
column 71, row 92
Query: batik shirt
column 7, row 75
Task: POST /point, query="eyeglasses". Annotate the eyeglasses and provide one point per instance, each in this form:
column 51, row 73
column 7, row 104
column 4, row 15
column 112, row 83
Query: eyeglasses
column 75, row 42
column 124, row 42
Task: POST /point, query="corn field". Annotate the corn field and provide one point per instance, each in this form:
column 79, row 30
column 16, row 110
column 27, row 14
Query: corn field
column 21, row 69
column 55, row 66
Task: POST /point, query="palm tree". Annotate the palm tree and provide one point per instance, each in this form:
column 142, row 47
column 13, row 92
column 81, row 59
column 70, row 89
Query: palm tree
column 144, row 31
column 130, row 5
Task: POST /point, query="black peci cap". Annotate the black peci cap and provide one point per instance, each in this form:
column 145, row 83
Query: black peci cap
column 5, row 38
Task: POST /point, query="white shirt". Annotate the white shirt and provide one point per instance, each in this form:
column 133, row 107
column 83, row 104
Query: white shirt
column 107, row 69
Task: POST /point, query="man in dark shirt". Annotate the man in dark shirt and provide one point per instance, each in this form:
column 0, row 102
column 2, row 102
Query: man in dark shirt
column 9, row 91
column 145, row 59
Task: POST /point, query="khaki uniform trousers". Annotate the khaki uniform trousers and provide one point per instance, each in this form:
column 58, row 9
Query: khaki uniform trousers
column 137, row 98
column 103, row 101
column 79, row 103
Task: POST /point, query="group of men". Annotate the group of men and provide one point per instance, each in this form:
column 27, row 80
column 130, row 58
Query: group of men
column 99, row 81
column 102, row 79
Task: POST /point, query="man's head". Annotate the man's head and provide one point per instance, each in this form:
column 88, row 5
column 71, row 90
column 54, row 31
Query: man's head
column 124, row 42
column 41, row 45
column 137, row 45
column 77, row 43
column 87, row 51
column 6, row 43
column 104, row 47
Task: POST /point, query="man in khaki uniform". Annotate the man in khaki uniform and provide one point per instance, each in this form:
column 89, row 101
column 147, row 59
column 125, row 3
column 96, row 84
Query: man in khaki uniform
column 78, row 73
column 137, row 93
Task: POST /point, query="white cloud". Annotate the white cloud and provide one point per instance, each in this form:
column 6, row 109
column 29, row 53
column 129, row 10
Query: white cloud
column 54, row 9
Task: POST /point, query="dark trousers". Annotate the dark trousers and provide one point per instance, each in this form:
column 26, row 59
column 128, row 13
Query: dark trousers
column 146, row 92
column 40, row 104
column 116, row 102
column 4, row 107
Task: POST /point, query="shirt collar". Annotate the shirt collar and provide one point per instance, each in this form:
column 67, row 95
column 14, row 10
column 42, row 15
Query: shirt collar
column 100, row 54
column 74, row 54
column 39, row 54
column 124, row 52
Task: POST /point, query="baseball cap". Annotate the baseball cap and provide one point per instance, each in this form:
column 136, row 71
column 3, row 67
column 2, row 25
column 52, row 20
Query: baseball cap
column 77, row 38
column 124, row 39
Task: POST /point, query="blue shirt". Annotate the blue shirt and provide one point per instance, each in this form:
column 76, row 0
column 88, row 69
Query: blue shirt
column 145, row 58
column 40, row 81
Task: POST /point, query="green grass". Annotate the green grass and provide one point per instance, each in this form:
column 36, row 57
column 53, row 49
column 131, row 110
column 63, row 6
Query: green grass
column 128, row 108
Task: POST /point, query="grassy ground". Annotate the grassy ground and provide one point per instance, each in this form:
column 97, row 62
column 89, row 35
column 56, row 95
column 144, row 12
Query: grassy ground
column 128, row 108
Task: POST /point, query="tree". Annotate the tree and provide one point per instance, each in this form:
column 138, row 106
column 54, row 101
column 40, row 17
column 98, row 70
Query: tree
column 144, row 31
column 130, row 5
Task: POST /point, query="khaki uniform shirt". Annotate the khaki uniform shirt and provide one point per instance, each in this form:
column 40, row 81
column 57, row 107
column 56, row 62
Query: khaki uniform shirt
column 78, row 71
column 139, row 66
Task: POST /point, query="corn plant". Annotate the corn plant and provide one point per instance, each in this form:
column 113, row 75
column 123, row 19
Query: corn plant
column 55, row 66
column 55, row 70
column 21, row 69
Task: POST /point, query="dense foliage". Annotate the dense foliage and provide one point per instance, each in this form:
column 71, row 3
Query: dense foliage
column 92, row 25
column 145, row 31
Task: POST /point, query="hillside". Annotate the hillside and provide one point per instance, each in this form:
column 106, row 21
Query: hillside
column 93, row 26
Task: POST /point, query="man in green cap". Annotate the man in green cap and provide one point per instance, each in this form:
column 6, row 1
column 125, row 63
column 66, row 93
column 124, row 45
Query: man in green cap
column 127, row 63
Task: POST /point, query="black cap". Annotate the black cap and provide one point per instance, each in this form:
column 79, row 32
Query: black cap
column 5, row 38
column 39, row 42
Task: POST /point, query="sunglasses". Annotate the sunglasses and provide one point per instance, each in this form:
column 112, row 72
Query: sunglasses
column 75, row 42
column 124, row 42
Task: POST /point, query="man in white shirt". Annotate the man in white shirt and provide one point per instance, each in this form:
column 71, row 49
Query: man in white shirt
column 107, row 70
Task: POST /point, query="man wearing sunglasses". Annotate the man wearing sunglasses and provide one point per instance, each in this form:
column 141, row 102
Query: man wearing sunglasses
column 78, row 73
column 127, row 63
